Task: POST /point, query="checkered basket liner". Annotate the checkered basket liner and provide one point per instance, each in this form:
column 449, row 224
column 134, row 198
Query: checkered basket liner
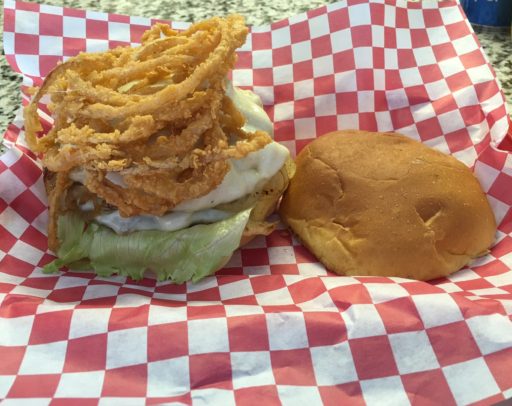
column 274, row 326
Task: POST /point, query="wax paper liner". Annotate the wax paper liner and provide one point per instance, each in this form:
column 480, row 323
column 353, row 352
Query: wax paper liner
column 273, row 327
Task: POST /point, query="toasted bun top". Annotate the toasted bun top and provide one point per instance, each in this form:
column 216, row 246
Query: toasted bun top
column 382, row 204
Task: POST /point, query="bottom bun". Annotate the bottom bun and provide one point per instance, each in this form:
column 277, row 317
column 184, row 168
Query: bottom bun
column 382, row 204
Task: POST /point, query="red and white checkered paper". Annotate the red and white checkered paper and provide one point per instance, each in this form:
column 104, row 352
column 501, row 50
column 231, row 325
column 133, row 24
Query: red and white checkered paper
column 273, row 327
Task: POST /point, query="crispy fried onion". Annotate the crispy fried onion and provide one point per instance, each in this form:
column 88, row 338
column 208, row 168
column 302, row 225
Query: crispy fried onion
column 156, row 114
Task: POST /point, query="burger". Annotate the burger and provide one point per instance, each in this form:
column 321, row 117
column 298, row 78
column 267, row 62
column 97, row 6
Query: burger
column 154, row 160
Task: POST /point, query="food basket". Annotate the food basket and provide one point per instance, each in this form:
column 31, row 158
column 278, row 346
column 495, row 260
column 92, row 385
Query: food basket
column 274, row 326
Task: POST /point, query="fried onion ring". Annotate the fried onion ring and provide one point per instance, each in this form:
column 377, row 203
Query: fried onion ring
column 156, row 114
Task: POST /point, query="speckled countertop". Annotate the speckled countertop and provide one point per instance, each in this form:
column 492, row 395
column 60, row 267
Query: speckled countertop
column 498, row 46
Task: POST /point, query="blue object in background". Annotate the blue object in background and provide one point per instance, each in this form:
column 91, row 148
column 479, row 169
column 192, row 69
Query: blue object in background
column 494, row 13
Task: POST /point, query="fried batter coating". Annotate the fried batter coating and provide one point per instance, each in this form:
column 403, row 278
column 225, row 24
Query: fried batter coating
column 156, row 114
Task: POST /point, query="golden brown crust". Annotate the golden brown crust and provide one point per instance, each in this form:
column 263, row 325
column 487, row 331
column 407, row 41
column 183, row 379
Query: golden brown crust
column 382, row 204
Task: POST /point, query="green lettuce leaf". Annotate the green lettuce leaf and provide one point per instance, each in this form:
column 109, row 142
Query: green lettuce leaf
column 188, row 254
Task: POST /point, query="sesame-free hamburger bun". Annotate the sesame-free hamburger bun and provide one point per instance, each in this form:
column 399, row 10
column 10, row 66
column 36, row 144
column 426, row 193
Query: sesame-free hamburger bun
column 382, row 204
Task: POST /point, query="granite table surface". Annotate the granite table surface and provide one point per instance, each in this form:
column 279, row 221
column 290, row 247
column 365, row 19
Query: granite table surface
column 497, row 45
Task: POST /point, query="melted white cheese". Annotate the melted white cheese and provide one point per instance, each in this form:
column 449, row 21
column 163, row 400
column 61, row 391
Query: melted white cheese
column 249, row 104
column 116, row 179
column 175, row 220
column 77, row 175
column 245, row 176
